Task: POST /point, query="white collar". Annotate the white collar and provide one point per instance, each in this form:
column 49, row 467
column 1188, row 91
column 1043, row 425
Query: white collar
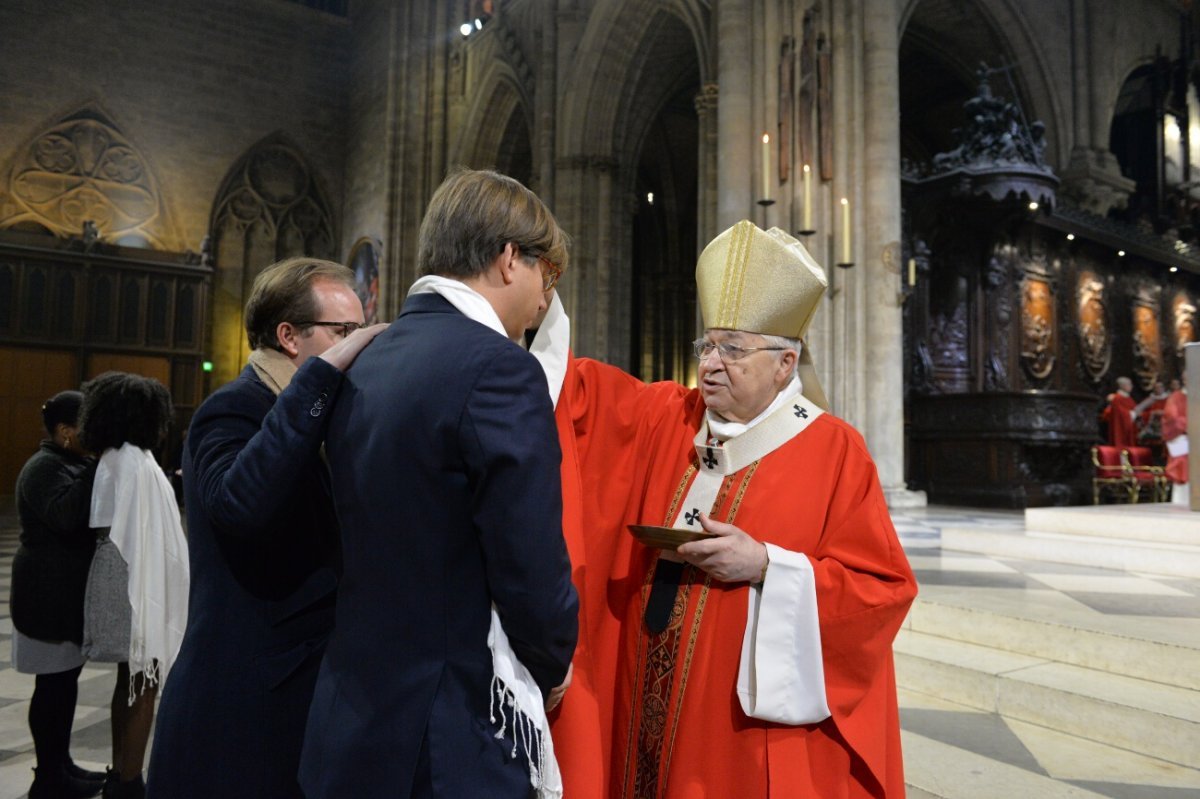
column 552, row 347
column 724, row 430
column 467, row 300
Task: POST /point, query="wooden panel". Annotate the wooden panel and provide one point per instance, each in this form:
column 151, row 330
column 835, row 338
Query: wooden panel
column 144, row 365
column 28, row 377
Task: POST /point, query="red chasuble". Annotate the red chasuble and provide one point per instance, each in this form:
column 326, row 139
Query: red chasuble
column 1120, row 423
column 579, row 724
column 677, row 726
column 1174, row 424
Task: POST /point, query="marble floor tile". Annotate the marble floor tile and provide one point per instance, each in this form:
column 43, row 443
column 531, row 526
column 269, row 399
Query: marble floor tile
column 951, row 752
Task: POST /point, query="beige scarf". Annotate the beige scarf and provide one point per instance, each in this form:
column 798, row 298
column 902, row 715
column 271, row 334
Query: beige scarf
column 273, row 368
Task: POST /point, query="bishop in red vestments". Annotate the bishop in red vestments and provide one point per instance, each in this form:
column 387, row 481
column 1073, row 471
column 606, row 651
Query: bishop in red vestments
column 1120, row 413
column 1174, row 432
column 756, row 663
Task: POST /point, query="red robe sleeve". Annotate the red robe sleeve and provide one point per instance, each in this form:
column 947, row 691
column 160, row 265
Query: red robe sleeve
column 864, row 587
column 598, row 415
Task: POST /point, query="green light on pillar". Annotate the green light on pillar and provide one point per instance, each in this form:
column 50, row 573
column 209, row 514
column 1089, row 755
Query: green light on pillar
column 206, row 366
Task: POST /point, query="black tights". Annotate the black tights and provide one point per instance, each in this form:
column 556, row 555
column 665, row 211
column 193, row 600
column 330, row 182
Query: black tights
column 51, row 712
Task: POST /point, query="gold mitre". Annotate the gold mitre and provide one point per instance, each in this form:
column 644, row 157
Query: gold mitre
column 759, row 281
column 763, row 282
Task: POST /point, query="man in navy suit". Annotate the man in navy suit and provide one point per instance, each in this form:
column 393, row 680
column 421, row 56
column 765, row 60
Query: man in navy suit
column 263, row 544
column 445, row 462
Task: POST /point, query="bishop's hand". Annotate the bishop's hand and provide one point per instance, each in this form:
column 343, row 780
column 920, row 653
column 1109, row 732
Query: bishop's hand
column 732, row 557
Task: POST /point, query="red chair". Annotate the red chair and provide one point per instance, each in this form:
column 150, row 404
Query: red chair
column 1144, row 474
column 1111, row 472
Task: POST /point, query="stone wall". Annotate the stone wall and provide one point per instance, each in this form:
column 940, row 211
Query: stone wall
column 192, row 84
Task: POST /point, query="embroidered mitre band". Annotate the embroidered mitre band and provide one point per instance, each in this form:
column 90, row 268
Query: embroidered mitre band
column 759, row 281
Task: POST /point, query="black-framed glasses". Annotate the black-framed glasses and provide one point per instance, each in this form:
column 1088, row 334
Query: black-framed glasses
column 551, row 272
column 725, row 351
column 346, row 327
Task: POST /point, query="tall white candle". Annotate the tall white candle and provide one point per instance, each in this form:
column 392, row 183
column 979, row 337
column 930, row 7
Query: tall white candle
column 808, row 198
column 912, row 271
column 846, row 232
column 766, row 167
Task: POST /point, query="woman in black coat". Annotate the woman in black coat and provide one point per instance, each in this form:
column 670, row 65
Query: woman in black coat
column 50, row 571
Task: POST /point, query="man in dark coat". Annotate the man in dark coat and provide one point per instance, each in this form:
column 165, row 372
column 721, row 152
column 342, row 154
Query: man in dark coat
column 263, row 543
column 445, row 461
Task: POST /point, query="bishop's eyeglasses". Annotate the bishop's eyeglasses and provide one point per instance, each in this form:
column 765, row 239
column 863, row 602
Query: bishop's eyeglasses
column 551, row 272
column 725, row 351
column 346, row 327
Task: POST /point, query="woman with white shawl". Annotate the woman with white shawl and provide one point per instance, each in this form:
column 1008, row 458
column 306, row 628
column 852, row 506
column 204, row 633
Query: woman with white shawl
column 136, row 605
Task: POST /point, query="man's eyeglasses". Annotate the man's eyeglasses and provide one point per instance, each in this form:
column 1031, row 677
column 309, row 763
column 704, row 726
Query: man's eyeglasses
column 551, row 272
column 726, row 351
column 346, row 327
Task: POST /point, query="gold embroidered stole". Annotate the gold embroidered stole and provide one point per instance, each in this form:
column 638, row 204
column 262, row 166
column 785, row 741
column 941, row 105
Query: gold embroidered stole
column 664, row 659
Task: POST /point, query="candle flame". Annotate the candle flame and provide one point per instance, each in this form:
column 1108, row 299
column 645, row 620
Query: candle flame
column 766, row 138
column 806, row 169
column 845, row 201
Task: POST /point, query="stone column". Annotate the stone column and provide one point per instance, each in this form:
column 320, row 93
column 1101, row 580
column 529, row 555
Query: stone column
column 880, row 250
column 735, row 129
column 1093, row 177
column 706, row 167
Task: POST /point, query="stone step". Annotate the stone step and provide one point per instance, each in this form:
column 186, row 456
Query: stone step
column 1147, row 557
column 1128, row 646
column 1158, row 522
column 1157, row 720
column 937, row 770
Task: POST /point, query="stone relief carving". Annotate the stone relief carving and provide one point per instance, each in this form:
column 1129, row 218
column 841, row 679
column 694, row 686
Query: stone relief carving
column 1091, row 309
column 1183, row 319
column 948, row 351
column 83, row 169
column 1037, row 326
column 1147, row 342
column 997, row 277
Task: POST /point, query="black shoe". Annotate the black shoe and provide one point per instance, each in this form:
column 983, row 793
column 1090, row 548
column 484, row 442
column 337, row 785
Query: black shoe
column 129, row 789
column 80, row 773
column 61, row 786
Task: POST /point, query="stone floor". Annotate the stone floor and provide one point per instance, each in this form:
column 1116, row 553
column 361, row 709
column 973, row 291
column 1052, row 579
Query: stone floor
column 951, row 750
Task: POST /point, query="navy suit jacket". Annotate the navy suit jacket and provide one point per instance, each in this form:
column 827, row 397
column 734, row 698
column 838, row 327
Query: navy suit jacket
column 446, row 479
column 263, row 543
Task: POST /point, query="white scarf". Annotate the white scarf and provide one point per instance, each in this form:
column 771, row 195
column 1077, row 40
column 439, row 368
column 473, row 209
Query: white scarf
column 131, row 496
column 512, row 684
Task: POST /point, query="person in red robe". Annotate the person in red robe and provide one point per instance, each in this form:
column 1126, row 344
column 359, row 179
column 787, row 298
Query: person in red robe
column 1174, row 433
column 756, row 662
column 1120, row 414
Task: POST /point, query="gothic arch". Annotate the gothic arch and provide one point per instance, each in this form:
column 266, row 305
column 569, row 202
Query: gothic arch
column 500, row 104
column 633, row 59
column 270, row 206
column 1039, row 92
column 83, row 167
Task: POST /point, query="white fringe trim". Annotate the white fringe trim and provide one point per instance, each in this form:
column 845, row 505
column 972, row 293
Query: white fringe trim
column 526, row 733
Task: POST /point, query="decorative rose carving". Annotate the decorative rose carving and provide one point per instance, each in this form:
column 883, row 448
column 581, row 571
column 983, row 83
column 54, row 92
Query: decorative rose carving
column 84, row 169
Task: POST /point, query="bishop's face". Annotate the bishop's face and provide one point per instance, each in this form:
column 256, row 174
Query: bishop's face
column 739, row 387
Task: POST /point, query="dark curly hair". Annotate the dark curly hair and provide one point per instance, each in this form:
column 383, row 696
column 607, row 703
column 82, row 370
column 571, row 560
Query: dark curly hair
column 119, row 408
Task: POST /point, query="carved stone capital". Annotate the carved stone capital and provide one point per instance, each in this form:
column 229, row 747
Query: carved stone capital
column 706, row 99
column 1093, row 181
